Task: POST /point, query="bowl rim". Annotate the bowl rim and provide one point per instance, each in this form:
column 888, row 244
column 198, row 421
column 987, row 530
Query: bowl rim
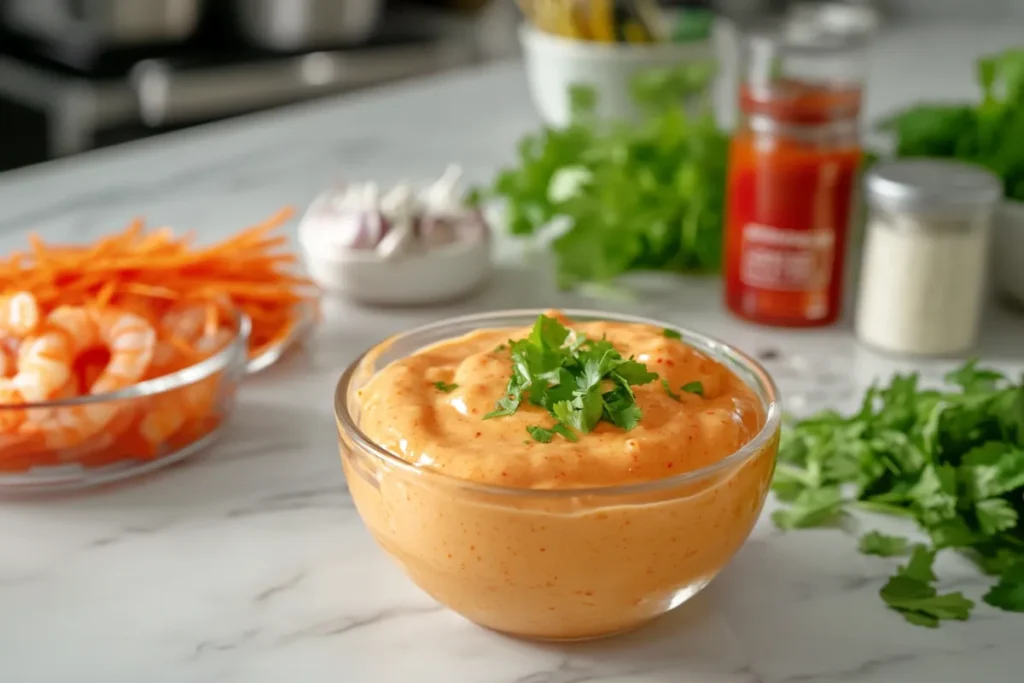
column 718, row 350
column 238, row 347
column 531, row 35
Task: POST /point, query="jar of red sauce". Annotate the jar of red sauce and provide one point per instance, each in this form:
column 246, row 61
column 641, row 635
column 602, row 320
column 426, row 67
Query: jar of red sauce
column 793, row 166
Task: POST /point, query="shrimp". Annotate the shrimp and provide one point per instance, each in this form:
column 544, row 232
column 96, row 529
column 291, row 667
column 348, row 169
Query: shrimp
column 170, row 411
column 19, row 314
column 8, row 362
column 11, row 414
column 186, row 322
column 44, row 365
column 131, row 340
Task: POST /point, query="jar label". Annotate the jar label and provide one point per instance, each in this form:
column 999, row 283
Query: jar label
column 780, row 260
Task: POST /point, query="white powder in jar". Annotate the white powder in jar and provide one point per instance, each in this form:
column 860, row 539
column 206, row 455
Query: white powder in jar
column 923, row 283
column 924, row 271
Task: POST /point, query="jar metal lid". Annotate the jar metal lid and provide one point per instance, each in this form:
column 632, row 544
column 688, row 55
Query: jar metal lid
column 931, row 185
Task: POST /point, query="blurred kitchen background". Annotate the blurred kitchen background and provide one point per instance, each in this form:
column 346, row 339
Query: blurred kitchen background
column 77, row 75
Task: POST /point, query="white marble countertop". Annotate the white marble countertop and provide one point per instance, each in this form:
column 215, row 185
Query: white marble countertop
column 249, row 564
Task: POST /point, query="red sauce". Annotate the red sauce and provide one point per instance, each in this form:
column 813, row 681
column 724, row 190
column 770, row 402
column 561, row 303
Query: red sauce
column 788, row 206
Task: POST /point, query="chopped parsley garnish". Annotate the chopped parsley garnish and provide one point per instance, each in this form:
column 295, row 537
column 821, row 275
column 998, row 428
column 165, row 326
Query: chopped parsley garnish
column 950, row 459
column 671, row 334
column 668, row 389
column 545, row 435
column 693, row 388
column 579, row 381
column 500, row 347
column 441, row 386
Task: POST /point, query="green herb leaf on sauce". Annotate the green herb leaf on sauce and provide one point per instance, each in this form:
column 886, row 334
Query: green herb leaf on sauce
column 579, row 381
column 668, row 390
column 544, row 435
column 693, row 388
column 672, row 334
column 446, row 388
column 951, row 459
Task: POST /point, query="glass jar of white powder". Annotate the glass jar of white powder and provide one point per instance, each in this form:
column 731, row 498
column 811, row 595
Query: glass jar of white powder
column 924, row 273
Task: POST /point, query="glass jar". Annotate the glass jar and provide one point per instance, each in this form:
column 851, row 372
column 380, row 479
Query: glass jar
column 924, row 266
column 792, row 171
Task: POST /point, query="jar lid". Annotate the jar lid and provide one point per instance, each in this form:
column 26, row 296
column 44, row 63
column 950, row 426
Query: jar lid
column 932, row 184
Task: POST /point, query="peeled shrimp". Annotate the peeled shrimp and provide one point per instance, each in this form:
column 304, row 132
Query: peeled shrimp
column 19, row 314
column 170, row 411
column 185, row 323
column 131, row 340
column 8, row 362
column 71, row 425
column 11, row 415
column 44, row 365
column 129, row 337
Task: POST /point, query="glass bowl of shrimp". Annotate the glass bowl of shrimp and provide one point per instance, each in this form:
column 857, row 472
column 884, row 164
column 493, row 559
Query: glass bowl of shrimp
column 91, row 394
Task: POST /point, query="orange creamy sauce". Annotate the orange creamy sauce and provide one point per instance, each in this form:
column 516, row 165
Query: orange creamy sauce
column 403, row 410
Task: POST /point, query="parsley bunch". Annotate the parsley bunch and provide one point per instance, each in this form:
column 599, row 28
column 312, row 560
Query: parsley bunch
column 952, row 460
column 579, row 381
column 647, row 196
column 989, row 133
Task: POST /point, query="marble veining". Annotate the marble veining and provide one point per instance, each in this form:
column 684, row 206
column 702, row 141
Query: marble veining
column 248, row 564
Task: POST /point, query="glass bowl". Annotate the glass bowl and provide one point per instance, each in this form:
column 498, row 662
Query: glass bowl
column 106, row 437
column 566, row 564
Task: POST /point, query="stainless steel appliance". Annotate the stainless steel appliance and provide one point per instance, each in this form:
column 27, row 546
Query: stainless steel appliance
column 105, row 23
column 57, row 100
column 303, row 24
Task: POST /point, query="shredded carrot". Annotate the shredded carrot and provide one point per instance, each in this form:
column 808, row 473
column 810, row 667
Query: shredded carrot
column 251, row 268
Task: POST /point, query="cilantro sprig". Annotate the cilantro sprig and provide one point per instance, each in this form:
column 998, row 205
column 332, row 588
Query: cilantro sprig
column 951, row 459
column 647, row 196
column 579, row 381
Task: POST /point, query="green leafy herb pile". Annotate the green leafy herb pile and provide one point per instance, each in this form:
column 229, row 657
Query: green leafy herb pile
column 990, row 133
column 647, row 196
column 579, row 381
column 952, row 460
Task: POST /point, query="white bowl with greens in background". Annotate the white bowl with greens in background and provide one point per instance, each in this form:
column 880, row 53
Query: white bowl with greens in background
column 554, row 64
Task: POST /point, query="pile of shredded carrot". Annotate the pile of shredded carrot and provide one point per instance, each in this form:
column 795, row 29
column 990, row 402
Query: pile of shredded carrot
column 146, row 270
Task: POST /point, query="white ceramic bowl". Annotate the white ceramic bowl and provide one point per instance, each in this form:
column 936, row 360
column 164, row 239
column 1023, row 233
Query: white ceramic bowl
column 433, row 276
column 1008, row 250
column 554, row 63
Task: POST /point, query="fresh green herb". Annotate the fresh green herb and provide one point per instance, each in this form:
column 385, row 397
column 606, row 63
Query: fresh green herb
column 626, row 196
column 694, row 388
column 951, row 459
column 579, row 381
column 500, row 347
column 989, row 133
column 545, row 435
column 883, row 545
column 911, row 593
column 1008, row 594
column 668, row 389
column 812, row 507
column 540, row 434
column 672, row 334
column 446, row 388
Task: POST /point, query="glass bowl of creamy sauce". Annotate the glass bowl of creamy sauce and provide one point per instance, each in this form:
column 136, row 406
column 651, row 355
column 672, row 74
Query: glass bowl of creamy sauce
column 558, row 475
